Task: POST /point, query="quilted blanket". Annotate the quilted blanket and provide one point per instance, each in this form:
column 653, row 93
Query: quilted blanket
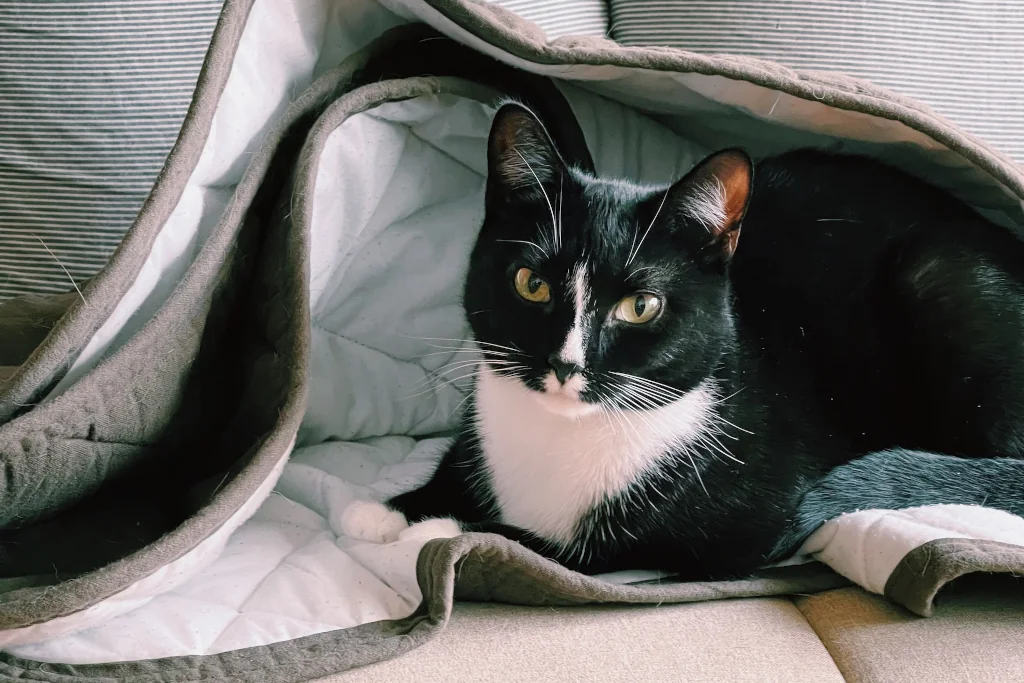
column 280, row 335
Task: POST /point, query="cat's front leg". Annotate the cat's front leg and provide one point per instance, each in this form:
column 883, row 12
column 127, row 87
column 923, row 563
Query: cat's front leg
column 456, row 500
column 371, row 520
column 377, row 522
column 435, row 510
column 387, row 522
column 445, row 506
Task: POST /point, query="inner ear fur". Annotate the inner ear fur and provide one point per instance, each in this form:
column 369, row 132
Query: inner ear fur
column 716, row 194
column 520, row 152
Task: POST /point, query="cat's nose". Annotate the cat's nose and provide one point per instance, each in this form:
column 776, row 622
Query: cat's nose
column 563, row 369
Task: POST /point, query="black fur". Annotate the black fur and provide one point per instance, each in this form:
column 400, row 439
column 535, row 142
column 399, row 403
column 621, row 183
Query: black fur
column 862, row 310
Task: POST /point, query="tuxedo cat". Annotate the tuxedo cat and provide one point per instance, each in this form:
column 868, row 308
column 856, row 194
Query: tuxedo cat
column 657, row 392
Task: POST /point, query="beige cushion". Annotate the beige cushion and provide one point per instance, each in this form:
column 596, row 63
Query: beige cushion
column 758, row 640
column 975, row 635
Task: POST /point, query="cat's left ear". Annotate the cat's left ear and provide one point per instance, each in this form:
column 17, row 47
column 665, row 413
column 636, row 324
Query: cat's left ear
column 520, row 153
column 715, row 195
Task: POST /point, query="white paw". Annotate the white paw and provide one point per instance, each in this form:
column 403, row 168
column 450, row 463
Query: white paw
column 429, row 529
column 368, row 520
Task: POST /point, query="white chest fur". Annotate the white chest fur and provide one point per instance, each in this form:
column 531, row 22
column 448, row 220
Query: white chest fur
column 549, row 469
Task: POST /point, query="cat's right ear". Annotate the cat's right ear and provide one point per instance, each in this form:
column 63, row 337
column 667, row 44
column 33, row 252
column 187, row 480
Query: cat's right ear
column 520, row 153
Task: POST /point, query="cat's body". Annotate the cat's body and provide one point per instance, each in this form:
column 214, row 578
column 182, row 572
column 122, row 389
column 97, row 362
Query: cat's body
column 859, row 304
column 904, row 306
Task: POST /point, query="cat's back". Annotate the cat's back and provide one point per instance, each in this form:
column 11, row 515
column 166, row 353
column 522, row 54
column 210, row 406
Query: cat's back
column 822, row 229
column 869, row 286
column 840, row 211
column 823, row 180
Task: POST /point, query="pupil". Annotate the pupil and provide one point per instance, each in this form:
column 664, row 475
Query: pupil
column 639, row 306
column 533, row 284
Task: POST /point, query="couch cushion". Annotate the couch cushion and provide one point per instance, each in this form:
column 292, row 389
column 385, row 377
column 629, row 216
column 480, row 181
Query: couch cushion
column 762, row 640
column 962, row 57
column 92, row 96
column 977, row 634
column 562, row 17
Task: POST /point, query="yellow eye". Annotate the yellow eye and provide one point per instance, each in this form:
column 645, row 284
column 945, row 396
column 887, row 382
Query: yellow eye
column 531, row 287
column 638, row 308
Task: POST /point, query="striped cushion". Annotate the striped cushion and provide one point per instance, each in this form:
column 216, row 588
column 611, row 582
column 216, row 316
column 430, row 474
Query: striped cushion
column 964, row 58
column 563, row 17
column 92, row 94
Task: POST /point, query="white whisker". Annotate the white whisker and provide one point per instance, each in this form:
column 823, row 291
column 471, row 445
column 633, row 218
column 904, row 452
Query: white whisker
column 723, row 400
column 657, row 396
column 543, row 252
column 464, row 341
column 636, row 271
column 696, row 471
column 428, row 379
column 721, row 419
column 450, row 351
column 664, row 388
column 437, row 387
column 601, row 403
column 451, row 348
column 455, row 365
column 455, row 410
column 714, row 446
column 631, row 396
column 551, row 208
column 640, row 410
column 633, row 254
column 461, row 365
column 624, row 422
column 636, row 231
column 638, row 397
column 558, row 246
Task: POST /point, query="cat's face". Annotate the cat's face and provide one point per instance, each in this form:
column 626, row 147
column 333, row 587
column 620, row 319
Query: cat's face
column 591, row 291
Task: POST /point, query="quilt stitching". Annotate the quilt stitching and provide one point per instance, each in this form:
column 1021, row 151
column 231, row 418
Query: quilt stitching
column 253, row 592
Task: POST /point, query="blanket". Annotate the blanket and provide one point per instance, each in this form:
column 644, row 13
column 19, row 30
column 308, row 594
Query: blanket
column 280, row 335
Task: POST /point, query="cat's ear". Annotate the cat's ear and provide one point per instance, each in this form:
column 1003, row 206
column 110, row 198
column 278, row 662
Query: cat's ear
column 520, row 153
column 715, row 195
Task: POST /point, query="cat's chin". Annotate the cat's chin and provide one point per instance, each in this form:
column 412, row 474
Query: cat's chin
column 564, row 405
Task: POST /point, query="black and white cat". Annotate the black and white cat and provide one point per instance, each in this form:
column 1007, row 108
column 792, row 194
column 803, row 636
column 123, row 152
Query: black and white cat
column 658, row 393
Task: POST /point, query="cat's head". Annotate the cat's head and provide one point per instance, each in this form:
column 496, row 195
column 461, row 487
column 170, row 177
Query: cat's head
column 589, row 290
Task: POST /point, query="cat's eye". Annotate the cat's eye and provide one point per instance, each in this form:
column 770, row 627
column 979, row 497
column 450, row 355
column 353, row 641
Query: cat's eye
column 532, row 287
column 638, row 309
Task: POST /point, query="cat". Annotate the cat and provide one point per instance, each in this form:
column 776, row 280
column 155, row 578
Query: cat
column 657, row 393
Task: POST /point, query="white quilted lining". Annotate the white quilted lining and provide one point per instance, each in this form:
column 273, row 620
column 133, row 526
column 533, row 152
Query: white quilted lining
column 866, row 546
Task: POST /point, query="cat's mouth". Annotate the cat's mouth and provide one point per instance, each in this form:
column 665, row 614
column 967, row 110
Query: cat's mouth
column 565, row 398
